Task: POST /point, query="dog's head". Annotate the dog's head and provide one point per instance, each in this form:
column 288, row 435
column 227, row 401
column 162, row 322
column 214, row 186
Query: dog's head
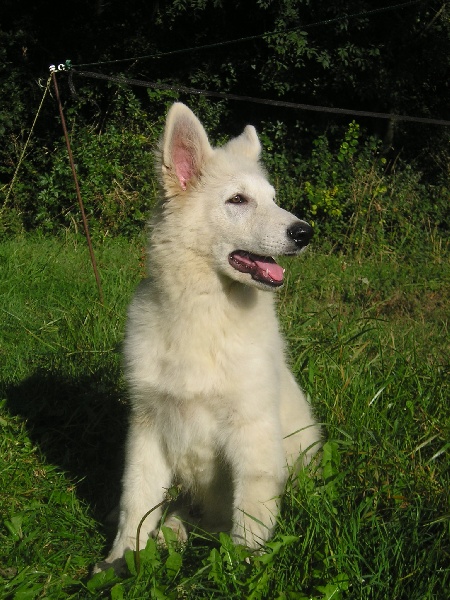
column 233, row 224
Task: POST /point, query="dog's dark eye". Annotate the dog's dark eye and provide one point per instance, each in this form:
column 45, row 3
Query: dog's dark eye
column 237, row 199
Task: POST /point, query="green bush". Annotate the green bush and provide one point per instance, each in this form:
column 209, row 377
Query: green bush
column 115, row 171
column 352, row 195
column 113, row 159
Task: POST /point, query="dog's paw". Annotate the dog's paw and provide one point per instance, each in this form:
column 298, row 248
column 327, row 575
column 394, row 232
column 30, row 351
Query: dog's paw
column 116, row 558
column 251, row 534
column 174, row 523
column 119, row 565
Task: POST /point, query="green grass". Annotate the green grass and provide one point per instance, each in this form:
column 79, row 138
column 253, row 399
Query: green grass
column 368, row 340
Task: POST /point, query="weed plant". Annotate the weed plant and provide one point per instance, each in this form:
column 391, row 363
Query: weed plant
column 368, row 340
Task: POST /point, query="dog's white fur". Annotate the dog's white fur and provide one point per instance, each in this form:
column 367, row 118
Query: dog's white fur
column 214, row 405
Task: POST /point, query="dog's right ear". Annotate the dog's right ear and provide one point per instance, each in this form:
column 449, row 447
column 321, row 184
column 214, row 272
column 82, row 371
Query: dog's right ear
column 185, row 147
column 247, row 144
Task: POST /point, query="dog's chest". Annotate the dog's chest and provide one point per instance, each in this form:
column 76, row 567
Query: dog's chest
column 192, row 441
column 223, row 349
column 207, row 352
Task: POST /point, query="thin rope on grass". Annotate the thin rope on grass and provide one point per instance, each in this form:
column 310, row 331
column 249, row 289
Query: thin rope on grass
column 22, row 156
column 137, row 556
column 171, row 494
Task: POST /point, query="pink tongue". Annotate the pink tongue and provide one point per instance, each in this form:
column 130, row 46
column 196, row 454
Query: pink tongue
column 273, row 270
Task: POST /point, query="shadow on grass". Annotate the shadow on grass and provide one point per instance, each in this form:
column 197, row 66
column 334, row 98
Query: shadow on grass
column 79, row 425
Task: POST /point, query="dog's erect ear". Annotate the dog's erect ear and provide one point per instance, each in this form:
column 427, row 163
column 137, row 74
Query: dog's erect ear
column 247, row 144
column 185, row 148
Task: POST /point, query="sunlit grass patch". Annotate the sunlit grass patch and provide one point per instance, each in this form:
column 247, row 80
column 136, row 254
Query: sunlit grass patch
column 368, row 340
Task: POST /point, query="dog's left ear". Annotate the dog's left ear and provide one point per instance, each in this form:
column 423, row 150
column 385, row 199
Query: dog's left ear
column 247, row 144
column 185, row 148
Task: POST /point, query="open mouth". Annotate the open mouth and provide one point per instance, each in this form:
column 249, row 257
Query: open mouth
column 262, row 268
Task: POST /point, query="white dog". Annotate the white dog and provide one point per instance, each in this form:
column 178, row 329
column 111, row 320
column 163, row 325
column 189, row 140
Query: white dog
column 215, row 408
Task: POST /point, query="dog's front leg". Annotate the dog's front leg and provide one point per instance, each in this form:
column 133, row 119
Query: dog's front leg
column 259, row 475
column 146, row 478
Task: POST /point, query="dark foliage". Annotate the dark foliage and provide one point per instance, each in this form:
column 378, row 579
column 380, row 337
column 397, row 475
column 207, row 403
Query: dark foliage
column 344, row 54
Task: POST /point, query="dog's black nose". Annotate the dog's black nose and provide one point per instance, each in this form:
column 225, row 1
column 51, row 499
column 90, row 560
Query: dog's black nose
column 301, row 233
